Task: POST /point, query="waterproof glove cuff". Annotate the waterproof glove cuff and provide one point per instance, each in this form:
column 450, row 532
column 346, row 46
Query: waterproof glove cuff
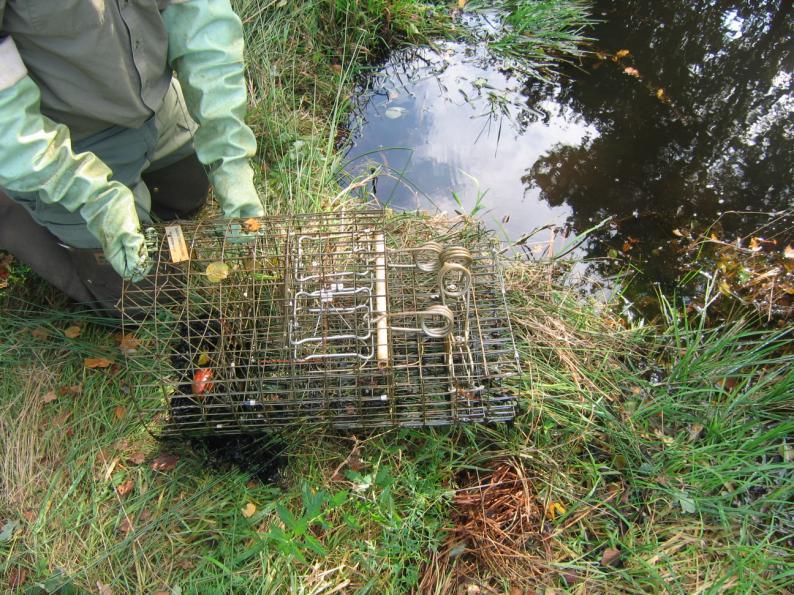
column 36, row 156
column 205, row 47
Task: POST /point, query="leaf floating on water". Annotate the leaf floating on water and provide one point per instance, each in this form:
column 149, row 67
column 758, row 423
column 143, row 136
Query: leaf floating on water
column 393, row 94
column 622, row 54
column 217, row 271
column 661, row 95
column 631, row 71
column 395, row 112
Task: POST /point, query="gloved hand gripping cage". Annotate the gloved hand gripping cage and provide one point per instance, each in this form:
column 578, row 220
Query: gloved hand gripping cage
column 354, row 320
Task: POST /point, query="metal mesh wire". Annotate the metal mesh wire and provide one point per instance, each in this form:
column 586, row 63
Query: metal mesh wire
column 354, row 320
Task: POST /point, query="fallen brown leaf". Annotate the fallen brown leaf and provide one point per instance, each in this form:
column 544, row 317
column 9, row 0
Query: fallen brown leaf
column 40, row 333
column 136, row 458
column 125, row 526
column 72, row 332
column 128, row 344
column 165, row 462
column 61, row 419
column 30, row 515
column 103, row 589
column 610, row 556
column 17, row 577
column 97, row 362
column 571, row 578
column 125, row 487
column 49, row 397
column 119, row 412
column 73, row 390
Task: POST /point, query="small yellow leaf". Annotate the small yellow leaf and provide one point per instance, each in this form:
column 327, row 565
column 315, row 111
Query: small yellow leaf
column 72, row 332
column 461, row 3
column 755, row 244
column 249, row 510
column 217, row 271
column 661, row 95
column 553, row 509
column 788, row 252
column 203, row 359
column 622, row 54
column 724, row 287
column 631, row 71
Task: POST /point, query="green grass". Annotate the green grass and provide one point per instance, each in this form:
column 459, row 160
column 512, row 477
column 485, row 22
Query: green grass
column 669, row 444
column 672, row 445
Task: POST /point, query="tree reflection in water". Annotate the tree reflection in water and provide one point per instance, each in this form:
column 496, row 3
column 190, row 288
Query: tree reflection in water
column 719, row 136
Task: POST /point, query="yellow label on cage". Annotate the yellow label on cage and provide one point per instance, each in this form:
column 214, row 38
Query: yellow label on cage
column 176, row 243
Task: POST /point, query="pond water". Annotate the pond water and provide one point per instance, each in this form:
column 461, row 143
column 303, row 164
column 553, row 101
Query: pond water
column 681, row 114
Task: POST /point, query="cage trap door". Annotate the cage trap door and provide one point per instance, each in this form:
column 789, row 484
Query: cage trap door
column 337, row 336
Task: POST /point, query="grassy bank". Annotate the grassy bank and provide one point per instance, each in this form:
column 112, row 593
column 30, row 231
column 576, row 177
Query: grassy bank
column 643, row 458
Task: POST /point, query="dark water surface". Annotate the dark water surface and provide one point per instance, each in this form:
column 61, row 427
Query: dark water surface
column 684, row 113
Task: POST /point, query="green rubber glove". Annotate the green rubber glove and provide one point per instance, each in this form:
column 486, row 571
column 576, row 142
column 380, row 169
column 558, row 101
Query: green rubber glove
column 36, row 156
column 205, row 47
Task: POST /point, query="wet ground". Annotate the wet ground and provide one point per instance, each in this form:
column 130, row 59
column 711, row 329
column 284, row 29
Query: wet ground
column 681, row 116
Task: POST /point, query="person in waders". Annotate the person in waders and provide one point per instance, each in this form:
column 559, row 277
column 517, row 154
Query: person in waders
column 97, row 136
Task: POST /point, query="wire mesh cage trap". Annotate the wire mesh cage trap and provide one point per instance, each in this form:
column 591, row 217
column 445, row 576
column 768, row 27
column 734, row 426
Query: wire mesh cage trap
column 354, row 320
